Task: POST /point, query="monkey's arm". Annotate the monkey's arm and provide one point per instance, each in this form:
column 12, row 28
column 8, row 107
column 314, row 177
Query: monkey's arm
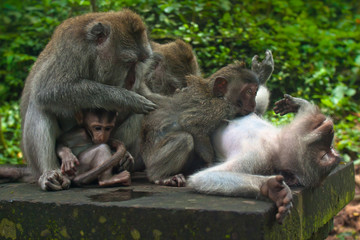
column 290, row 104
column 127, row 162
column 265, row 68
column 74, row 94
column 219, row 181
column 145, row 91
column 68, row 160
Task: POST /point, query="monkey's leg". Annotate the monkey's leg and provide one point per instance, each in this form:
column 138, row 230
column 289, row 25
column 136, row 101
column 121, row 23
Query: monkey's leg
column 168, row 157
column 265, row 68
column 38, row 140
column 219, row 181
column 101, row 163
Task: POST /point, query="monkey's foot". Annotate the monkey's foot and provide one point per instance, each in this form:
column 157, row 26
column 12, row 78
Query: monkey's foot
column 277, row 190
column 265, row 68
column 54, row 180
column 174, row 181
column 122, row 178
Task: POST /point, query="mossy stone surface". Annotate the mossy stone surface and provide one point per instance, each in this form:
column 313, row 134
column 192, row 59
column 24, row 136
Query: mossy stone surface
column 147, row 211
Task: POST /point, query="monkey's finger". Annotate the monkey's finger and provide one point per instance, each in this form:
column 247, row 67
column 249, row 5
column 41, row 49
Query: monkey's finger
column 148, row 109
column 76, row 161
column 52, row 186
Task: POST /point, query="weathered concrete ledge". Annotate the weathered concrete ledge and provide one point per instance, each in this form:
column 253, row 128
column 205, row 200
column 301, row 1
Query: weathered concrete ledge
column 146, row 211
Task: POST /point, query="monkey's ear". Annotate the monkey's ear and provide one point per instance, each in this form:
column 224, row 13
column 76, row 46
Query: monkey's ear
column 220, row 87
column 98, row 32
column 79, row 116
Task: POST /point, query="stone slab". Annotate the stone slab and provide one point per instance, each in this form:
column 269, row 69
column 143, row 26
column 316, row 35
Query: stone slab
column 148, row 211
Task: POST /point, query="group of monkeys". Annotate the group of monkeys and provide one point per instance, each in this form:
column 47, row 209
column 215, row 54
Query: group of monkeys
column 103, row 100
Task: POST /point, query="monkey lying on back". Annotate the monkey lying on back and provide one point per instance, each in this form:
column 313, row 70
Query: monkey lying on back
column 88, row 147
column 262, row 160
column 180, row 128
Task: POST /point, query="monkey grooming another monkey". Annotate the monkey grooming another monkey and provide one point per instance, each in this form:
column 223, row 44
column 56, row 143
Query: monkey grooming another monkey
column 165, row 71
column 261, row 160
column 181, row 127
column 90, row 62
column 87, row 146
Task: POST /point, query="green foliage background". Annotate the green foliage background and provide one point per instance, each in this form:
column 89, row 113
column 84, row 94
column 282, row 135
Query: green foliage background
column 316, row 47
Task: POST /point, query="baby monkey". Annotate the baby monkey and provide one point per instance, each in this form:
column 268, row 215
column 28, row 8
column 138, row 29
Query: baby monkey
column 85, row 150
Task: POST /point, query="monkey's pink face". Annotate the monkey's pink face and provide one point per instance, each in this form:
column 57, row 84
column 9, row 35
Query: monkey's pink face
column 321, row 139
column 308, row 144
column 100, row 133
column 99, row 129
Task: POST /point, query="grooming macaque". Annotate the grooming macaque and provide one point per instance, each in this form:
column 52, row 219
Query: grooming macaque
column 179, row 130
column 169, row 65
column 91, row 62
column 165, row 71
column 85, row 151
column 261, row 160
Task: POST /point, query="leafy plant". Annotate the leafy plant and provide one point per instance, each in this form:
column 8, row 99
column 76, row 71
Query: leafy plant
column 10, row 134
column 314, row 43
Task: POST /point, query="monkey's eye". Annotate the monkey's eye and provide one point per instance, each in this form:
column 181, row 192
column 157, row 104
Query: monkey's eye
column 97, row 128
column 249, row 91
column 108, row 129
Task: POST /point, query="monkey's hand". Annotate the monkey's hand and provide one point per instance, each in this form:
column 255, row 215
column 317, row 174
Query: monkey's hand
column 127, row 163
column 277, row 190
column 68, row 163
column 265, row 68
column 286, row 105
column 54, row 180
column 141, row 105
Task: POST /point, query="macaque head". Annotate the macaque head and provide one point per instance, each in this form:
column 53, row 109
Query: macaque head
column 169, row 65
column 99, row 123
column 309, row 155
column 121, row 42
column 237, row 85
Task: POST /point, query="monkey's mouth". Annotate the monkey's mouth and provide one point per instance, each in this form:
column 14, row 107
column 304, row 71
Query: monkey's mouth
column 326, row 129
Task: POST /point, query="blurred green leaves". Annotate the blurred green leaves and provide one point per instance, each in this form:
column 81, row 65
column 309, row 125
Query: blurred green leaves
column 316, row 45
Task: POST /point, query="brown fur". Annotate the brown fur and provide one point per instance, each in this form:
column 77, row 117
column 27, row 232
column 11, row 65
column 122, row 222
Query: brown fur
column 182, row 125
column 171, row 63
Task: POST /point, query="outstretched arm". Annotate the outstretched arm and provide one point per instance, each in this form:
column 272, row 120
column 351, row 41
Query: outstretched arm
column 290, row 104
column 218, row 182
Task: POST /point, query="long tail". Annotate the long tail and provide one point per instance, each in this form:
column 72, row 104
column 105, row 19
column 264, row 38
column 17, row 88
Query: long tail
column 10, row 173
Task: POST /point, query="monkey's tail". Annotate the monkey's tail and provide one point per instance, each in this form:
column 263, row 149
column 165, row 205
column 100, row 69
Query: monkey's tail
column 15, row 174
